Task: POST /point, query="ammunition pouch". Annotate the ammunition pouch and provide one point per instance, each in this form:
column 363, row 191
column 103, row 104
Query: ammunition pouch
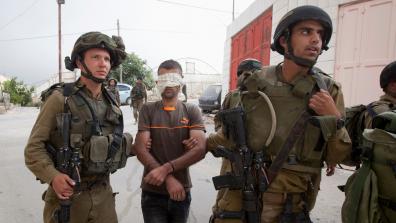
column 318, row 131
column 97, row 160
column 229, row 181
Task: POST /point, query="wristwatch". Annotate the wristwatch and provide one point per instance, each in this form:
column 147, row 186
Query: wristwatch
column 340, row 123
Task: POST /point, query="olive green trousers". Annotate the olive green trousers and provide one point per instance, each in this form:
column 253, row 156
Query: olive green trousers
column 93, row 205
column 273, row 208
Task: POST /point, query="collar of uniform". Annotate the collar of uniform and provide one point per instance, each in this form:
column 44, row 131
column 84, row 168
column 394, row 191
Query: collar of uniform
column 281, row 81
column 88, row 93
column 389, row 98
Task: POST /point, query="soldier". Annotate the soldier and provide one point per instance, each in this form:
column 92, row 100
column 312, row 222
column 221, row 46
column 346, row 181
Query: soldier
column 172, row 125
column 138, row 93
column 78, row 140
column 387, row 101
column 248, row 65
column 293, row 116
column 375, row 178
column 112, row 87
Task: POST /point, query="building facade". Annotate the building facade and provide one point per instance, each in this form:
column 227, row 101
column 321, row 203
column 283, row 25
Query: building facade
column 363, row 42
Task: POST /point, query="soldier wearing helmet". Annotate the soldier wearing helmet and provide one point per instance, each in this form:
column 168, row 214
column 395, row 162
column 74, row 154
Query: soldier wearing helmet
column 112, row 87
column 387, row 101
column 293, row 116
column 249, row 64
column 78, row 139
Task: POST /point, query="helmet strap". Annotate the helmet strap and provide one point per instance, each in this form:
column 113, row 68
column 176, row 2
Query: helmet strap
column 290, row 55
column 88, row 73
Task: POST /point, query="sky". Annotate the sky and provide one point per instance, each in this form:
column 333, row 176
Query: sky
column 155, row 30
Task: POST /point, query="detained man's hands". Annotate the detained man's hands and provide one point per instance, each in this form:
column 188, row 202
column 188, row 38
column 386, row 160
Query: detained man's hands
column 157, row 176
column 175, row 189
column 63, row 186
column 323, row 104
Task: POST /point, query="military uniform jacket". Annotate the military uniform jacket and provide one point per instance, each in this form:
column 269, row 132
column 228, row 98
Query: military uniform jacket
column 284, row 96
column 115, row 93
column 139, row 92
column 45, row 130
column 385, row 103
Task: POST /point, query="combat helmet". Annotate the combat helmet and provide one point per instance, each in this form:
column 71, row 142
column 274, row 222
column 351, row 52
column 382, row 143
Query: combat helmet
column 113, row 45
column 302, row 13
column 388, row 74
column 112, row 79
column 385, row 121
column 248, row 64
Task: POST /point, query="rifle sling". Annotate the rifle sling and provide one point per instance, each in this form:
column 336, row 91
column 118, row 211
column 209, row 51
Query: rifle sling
column 296, row 132
column 118, row 131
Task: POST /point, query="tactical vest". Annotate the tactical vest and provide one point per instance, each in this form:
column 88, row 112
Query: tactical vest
column 93, row 138
column 289, row 102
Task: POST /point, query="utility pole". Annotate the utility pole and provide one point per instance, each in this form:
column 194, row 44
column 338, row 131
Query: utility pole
column 60, row 2
column 118, row 33
column 233, row 10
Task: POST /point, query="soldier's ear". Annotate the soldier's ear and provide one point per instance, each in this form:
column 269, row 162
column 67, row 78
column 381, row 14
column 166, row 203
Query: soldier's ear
column 79, row 65
column 282, row 42
column 391, row 88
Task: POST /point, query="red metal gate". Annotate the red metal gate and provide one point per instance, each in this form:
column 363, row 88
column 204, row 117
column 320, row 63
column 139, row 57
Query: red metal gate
column 253, row 41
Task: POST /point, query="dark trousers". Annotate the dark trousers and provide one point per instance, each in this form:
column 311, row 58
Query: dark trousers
column 159, row 208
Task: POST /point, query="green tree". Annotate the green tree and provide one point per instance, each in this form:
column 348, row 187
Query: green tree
column 19, row 92
column 132, row 68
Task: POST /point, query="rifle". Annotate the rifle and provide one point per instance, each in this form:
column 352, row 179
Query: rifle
column 67, row 161
column 244, row 172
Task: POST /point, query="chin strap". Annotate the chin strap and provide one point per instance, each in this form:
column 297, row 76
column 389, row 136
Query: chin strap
column 89, row 75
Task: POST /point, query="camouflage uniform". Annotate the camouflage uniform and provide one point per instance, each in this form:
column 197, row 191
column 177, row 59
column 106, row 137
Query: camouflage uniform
column 297, row 179
column 114, row 91
column 292, row 192
column 385, row 103
column 92, row 200
column 138, row 96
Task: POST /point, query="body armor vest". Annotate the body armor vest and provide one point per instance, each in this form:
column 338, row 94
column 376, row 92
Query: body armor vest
column 92, row 132
column 289, row 102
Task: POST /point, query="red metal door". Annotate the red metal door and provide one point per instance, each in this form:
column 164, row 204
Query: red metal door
column 253, row 41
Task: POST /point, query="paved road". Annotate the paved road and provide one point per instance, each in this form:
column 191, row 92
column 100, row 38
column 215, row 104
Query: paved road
column 20, row 193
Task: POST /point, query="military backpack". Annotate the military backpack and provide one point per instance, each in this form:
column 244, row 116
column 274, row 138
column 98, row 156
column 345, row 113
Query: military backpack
column 370, row 193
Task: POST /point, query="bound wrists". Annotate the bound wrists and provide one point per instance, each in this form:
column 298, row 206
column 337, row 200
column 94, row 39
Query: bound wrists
column 170, row 168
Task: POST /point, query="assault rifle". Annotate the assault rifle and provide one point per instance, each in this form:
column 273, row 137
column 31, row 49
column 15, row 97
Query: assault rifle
column 67, row 161
column 247, row 173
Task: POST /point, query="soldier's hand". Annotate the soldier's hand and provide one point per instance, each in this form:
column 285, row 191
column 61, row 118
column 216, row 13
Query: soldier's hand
column 323, row 104
column 175, row 189
column 157, row 176
column 330, row 169
column 190, row 143
column 63, row 186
